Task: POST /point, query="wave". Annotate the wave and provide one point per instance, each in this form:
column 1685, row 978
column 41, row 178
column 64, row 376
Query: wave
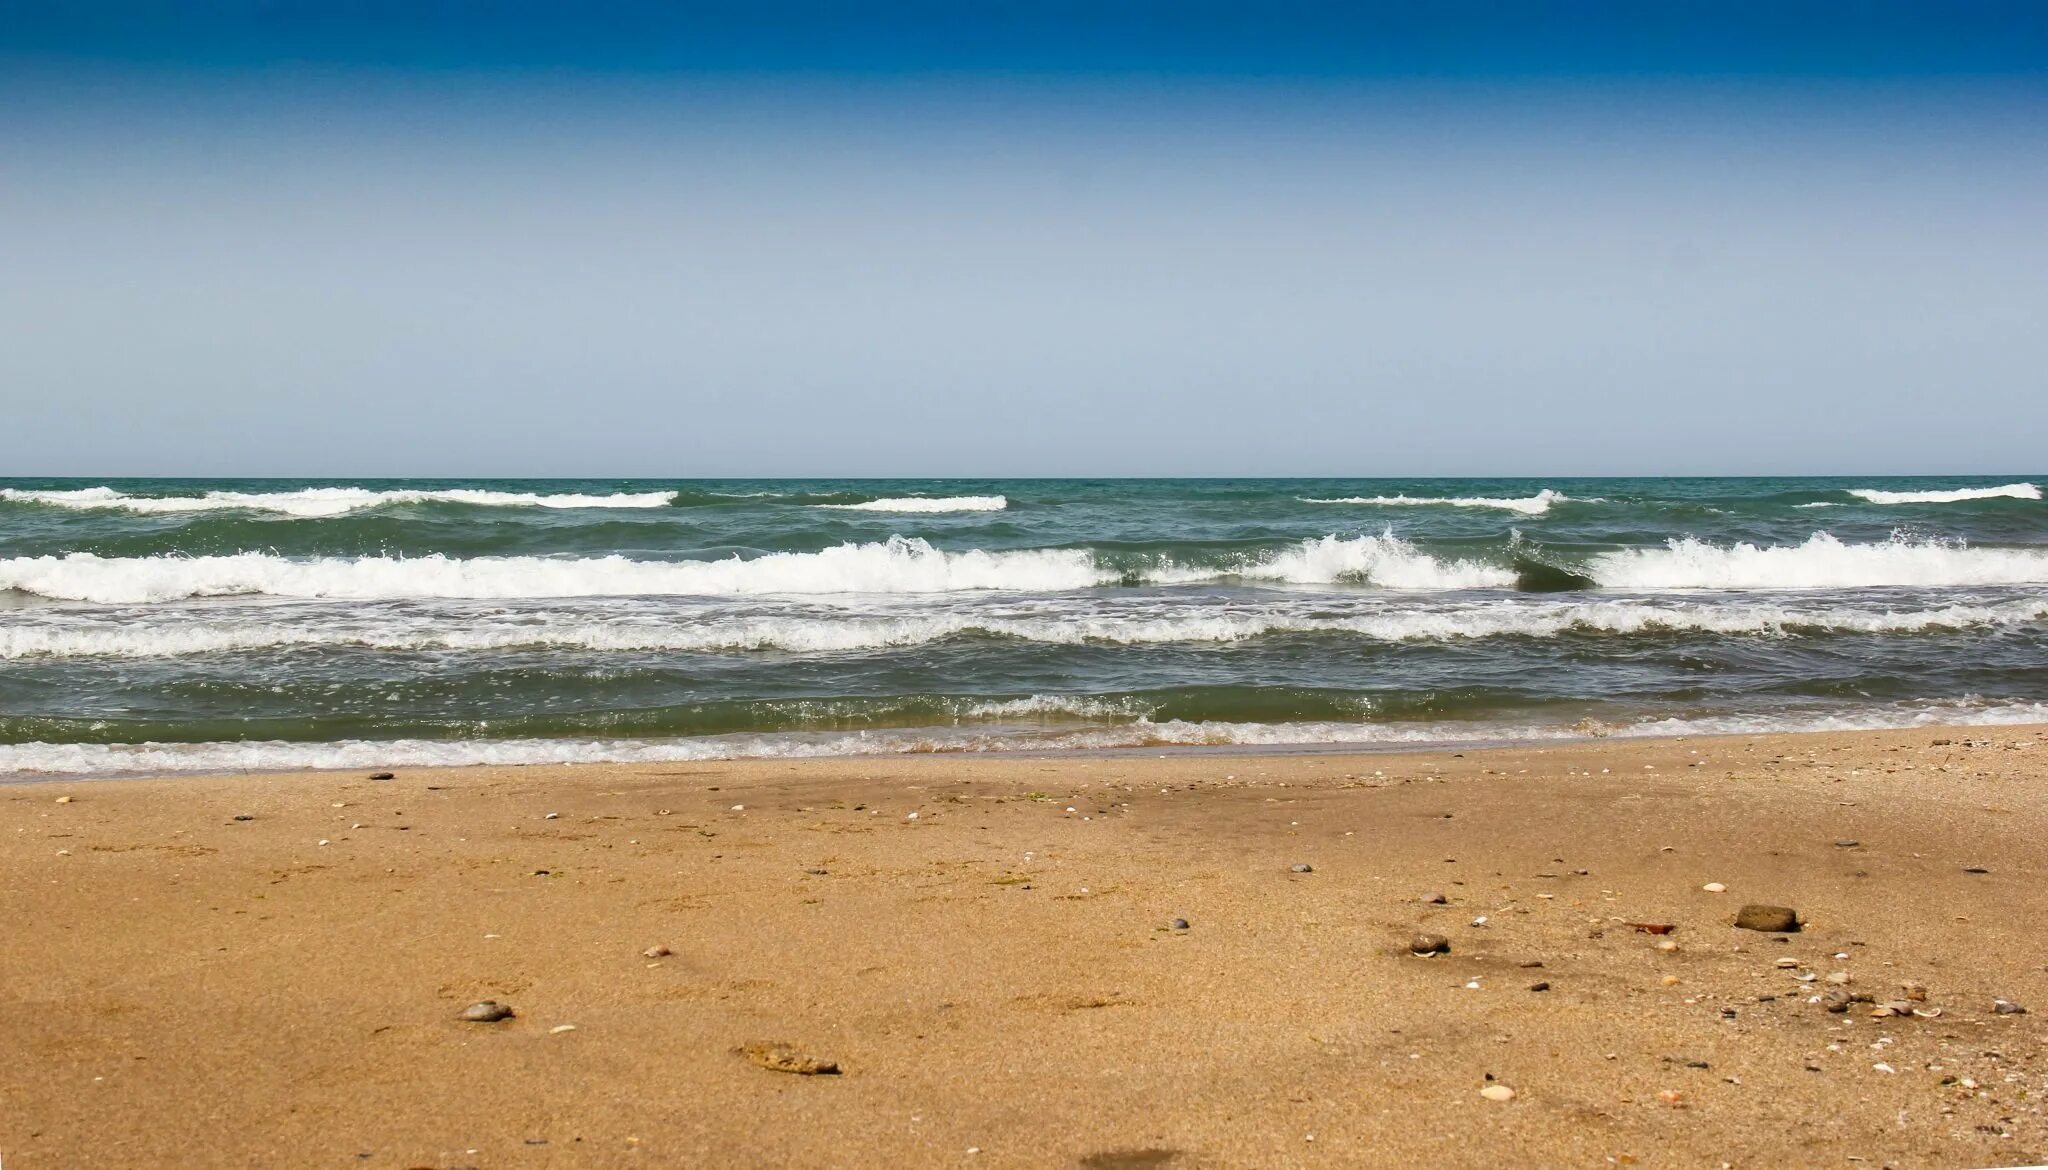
column 275, row 755
column 129, row 634
column 1535, row 505
column 925, row 504
column 317, row 502
column 1822, row 562
column 902, row 565
column 894, row 566
column 2010, row 491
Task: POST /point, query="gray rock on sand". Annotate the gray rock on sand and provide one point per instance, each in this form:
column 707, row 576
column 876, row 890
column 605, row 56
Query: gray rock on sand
column 657, row 951
column 2006, row 1007
column 488, row 1011
column 1303, row 867
column 1179, row 924
column 1770, row 919
column 1429, row 944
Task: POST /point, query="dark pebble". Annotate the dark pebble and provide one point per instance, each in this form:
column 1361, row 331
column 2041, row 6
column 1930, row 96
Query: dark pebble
column 817, row 872
column 244, row 817
column 1179, row 924
column 1975, row 869
column 1770, row 919
column 382, row 776
column 1539, row 985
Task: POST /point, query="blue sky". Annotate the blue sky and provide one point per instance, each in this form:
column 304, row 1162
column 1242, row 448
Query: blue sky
column 983, row 239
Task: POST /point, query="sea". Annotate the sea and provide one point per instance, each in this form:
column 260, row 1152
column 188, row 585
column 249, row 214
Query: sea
column 174, row 625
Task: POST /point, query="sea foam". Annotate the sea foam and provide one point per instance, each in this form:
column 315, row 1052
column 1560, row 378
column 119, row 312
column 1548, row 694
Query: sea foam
column 2010, row 491
column 272, row 755
column 1822, row 562
column 1535, row 505
column 326, row 501
column 925, row 504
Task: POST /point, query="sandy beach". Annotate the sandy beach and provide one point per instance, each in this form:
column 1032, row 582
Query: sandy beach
column 269, row 971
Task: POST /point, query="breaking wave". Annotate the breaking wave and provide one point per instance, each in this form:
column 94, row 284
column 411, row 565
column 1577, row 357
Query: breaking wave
column 329, row 501
column 925, row 504
column 1535, row 505
column 1822, row 562
column 2010, row 491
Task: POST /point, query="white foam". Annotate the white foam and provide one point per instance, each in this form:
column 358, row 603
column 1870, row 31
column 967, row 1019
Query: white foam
column 1535, row 505
column 897, row 565
column 58, row 632
column 272, row 756
column 1823, row 562
column 327, row 501
column 2010, row 491
column 926, row 504
column 1385, row 560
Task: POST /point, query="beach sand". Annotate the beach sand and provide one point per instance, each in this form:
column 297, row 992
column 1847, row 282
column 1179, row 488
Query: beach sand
column 999, row 980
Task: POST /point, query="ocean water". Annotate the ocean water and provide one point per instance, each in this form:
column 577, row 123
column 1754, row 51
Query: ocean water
column 167, row 625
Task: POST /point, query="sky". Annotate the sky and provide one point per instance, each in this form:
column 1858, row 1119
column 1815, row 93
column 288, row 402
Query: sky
column 1003, row 238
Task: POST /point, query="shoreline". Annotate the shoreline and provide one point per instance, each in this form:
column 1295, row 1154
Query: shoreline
column 1001, row 975
column 1568, row 736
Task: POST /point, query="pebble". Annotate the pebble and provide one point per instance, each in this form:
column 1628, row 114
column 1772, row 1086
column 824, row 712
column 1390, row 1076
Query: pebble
column 657, row 951
column 1838, row 978
column 1436, row 900
column 382, row 776
column 63, row 800
column 1497, row 1093
column 1847, row 843
column 1915, row 992
column 1666, row 945
column 1788, row 963
column 1429, row 944
column 558, row 1029
column 2006, row 1007
column 244, row 817
column 1975, row 869
column 1769, row 919
column 1715, row 888
column 1179, row 924
column 1540, row 985
column 1670, row 981
column 488, row 1011
column 1303, row 867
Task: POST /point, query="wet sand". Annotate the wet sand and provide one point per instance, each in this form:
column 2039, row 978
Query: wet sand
column 998, row 977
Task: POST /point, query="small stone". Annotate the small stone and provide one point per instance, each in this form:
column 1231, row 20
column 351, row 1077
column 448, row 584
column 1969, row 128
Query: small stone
column 1769, row 919
column 1666, row 945
column 1715, row 888
column 1179, row 924
column 63, row 800
column 1429, row 944
column 244, row 817
column 657, row 951
column 1914, row 992
column 1303, row 867
column 1669, row 981
column 1436, row 900
column 1497, row 1093
column 382, row 776
column 1975, row 869
column 1540, row 985
column 1836, row 1001
column 1788, row 963
column 488, row 1011
column 1838, row 978
column 558, row 1029
column 1847, row 843
column 2006, row 1007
